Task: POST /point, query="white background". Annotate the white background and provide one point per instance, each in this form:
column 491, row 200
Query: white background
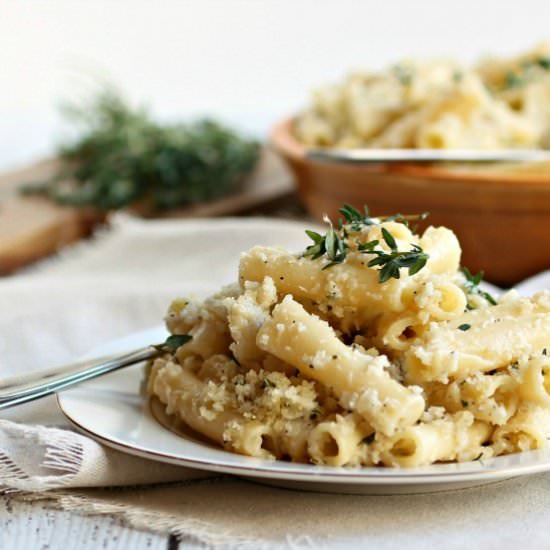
column 248, row 61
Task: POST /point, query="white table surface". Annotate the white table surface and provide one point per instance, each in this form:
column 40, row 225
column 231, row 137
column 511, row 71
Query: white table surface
column 34, row 526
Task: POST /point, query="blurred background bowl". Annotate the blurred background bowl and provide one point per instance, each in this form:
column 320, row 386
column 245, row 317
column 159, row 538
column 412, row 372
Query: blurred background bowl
column 500, row 214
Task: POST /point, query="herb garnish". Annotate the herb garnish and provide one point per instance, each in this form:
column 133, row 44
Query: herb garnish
column 123, row 156
column 334, row 244
column 525, row 74
column 173, row 342
column 331, row 245
column 414, row 259
column 513, row 80
column 472, row 285
column 464, row 327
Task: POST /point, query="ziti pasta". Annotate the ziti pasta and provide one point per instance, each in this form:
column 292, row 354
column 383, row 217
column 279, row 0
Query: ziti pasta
column 371, row 347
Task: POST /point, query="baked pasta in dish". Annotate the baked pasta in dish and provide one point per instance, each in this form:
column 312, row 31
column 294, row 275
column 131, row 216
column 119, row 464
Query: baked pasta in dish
column 437, row 105
column 371, row 347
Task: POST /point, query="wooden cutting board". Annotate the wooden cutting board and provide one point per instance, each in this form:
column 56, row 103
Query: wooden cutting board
column 33, row 227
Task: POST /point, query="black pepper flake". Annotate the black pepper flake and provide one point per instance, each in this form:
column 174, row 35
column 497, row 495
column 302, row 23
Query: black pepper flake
column 464, row 327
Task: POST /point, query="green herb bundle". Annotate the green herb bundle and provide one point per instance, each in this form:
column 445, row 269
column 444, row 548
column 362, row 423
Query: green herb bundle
column 123, row 157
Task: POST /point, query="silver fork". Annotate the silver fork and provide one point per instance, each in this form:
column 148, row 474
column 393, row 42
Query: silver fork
column 21, row 389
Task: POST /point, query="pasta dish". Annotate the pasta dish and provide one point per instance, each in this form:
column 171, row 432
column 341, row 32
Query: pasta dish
column 437, row 104
column 372, row 347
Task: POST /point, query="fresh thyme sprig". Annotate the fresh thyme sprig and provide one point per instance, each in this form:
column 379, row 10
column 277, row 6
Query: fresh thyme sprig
column 330, row 245
column 414, row 260
column 472, row 283
column 335, row 247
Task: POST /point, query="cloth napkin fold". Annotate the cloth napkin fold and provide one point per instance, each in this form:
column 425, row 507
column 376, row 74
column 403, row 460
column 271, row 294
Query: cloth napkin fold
column 122, row 282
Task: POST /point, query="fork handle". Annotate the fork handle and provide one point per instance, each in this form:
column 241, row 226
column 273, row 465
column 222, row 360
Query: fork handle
column 21, row 389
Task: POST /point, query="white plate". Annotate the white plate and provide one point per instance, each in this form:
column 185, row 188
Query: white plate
column 111, row 410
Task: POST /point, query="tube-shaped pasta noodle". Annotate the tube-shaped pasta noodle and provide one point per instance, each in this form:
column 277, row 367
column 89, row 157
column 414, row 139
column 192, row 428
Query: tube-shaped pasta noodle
column 491, row 398
column 210, row 336
column 185, row 395
column 336, row 442
column 527, row 430
column 443, row 248
column 391, row 332
column 245, row 316
column 252, row 438
column 350, row 285
column 310, row 344
column 292, row 438
column 286, row 439
column 439, row 299
column 401, row 233
column 535, row 381
column 480, row 340
column 451, row 438
column 205, row 322
column 185, row 313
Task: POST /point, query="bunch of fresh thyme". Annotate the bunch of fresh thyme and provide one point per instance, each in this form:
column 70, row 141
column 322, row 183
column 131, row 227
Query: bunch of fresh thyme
column 124, row 157
column 334, row 244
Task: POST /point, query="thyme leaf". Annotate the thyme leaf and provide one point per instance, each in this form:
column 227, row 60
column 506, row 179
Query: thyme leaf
column 414, row 260
column 334, row 246
column 472, row 286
